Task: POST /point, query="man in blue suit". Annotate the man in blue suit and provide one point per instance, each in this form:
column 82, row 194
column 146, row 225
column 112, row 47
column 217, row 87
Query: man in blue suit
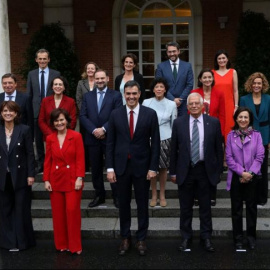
column 179, row 76
column 96, row 109
column 132, row 158
column 196, row 165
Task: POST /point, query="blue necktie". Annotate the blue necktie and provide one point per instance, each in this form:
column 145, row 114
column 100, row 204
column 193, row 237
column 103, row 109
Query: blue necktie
column 100, row 100
column 195, row 149
column 9, row 97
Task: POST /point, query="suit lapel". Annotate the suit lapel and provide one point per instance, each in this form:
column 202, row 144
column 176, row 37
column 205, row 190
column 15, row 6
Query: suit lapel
column 251, row 105
column 14, row 137
column 106, row 97
column 67, row 142
column 3, row 139
column 206, row 127
column 262, row 108
column 86, row 85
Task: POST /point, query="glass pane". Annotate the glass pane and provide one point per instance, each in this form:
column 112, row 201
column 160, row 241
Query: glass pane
column 157, row 10
column 148, row 70
column 132, row 44
column 166, row 28
column 164, row 41
column 184, row 56
column 164, row 56
column 183, row 10
column 138, row 3
column 136, row 53
column 132, row 29
column 148, row 57
column 174, row 2
column 147, row 44
column 148, row 29
column 184, row 43
column 182, row 28
column 131, row 11
column 147, row 82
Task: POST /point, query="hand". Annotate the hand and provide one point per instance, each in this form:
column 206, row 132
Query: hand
column 30, row 181
column 48, row 186
column 111, row 177
column 78, row 183
column 173, row 179
column 99, row 133
column 151, row 175
column 177, row 101
column 246, row 177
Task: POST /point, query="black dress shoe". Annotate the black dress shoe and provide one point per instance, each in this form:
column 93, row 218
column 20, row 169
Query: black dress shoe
column 184, row 244
column 97, row 201
column 239, row 244
column 116, row 202
column 213, row 202
column 196, row 202
column 207, row 244
column 251, row 242
column 124, row 246
column 141, row 247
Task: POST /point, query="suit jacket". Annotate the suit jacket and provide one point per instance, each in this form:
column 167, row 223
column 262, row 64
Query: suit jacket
column 24, row 101
column 138, row 78
column 180, row 149
column 181, row 87
column 33, row 88
column 47, row 105
column 20, row 158
column 217, row 105
column 63, row 165
column 90, row 119
column 246, row 156
column 82, row 88
column 262, row 121
column 144, row 147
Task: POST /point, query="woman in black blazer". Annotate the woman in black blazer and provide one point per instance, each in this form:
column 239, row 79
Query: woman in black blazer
column 17, row 166
column 129, row 65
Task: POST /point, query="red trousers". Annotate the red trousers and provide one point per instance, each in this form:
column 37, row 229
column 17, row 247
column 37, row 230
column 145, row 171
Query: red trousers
column 66, row 212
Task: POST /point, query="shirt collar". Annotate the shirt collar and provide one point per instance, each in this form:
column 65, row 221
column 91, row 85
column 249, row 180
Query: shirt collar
column 104, row 90
column 13, row 94
column 46, row 70
column 200, row 118
column 135, row 110
column 177, row 62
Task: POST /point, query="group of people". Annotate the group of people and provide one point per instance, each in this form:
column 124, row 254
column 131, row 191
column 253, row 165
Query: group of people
column 195, row 134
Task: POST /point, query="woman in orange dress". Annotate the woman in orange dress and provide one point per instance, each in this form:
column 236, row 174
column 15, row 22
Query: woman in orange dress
column 226, row 80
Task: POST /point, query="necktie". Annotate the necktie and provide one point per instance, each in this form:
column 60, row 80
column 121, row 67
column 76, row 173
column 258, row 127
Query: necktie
column 100, row 100
column 42, row 85
column 9, row 97
column 174, row 71
column 195, row 149
column 131, row 124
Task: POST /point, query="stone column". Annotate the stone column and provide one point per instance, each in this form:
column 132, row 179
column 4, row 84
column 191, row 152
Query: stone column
column 4, row 40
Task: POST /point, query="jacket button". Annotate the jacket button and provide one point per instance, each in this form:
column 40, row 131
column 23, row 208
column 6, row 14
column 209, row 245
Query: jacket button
column 17, row 156
column 19, row 166
column 56, row 167
column 68, row 166
column 19, row 144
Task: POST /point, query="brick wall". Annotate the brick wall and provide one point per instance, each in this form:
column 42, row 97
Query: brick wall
column 30, row 11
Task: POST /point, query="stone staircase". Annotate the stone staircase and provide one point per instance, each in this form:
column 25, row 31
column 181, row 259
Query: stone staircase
column 103, row 221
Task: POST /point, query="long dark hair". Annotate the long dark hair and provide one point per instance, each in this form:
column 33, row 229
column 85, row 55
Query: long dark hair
column 219, row 52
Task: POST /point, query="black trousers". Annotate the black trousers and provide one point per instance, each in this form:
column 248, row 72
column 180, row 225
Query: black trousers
column 239, row 193
column 141, row 191
column 16, row 229
column 262, row 183
column 96, row 157
column 197, row 182
column 39, row 143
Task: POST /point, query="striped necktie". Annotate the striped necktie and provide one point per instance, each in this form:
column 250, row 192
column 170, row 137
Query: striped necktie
column 195, row 149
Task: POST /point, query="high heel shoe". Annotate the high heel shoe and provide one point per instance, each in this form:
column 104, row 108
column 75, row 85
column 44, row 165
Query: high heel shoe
column 163, row 203
column 153, row 202
column 79, row 252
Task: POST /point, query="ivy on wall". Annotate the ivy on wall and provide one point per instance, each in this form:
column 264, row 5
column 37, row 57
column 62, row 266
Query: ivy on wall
column 62, row 55
column 252, row 47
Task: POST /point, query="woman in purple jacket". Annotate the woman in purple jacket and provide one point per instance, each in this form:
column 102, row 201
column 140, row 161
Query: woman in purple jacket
column 244, row 156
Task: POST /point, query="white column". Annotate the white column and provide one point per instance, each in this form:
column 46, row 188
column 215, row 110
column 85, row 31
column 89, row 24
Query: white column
column 4, row 40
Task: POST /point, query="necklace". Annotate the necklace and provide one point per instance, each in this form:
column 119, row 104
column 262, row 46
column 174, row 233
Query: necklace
column 9, row 131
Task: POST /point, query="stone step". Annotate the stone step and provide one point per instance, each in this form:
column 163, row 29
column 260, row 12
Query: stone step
column 158, row 227
column 88, row 192
column 42, row 209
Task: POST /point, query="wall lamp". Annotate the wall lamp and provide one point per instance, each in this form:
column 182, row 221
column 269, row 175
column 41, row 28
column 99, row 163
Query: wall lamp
column 24, row 27
column 222, row 21
column 91, row 25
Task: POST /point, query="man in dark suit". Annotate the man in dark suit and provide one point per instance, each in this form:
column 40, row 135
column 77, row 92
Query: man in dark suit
column 39, row 86
column 132, row 158
column 196, row 165
column 96, row 109
column 9, row 84
column 179, row 76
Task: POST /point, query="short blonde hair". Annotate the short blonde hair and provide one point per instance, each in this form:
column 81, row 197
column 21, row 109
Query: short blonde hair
column 252, row 77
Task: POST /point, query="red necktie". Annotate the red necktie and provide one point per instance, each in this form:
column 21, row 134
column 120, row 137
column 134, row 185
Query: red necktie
column 131, row 124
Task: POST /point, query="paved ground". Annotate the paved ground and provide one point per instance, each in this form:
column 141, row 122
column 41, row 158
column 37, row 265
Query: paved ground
column 163, row 254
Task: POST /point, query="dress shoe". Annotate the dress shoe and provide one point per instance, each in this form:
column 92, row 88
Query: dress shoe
column 239, row 244
column 251, row 242
column 207, row 244
column 116, row 202
column 141, row 247
column 213, row 203
column 124, row 246
column 184, row 244
column 196, row 202
column 97, row 201
column 163, row 203
column 153, row 202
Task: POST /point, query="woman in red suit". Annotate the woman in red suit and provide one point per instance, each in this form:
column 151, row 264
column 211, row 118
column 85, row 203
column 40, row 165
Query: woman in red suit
column 57, row 100
column 214, row 105
column 64, row 169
